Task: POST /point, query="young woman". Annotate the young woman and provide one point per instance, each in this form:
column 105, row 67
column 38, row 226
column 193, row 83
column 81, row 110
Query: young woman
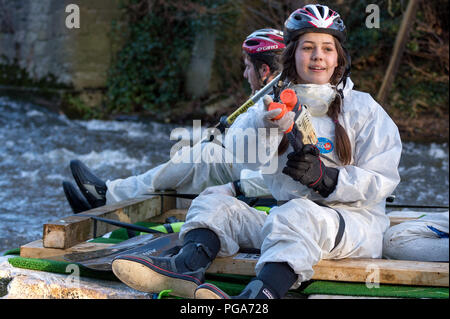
column 262, row 51
column 335, row 205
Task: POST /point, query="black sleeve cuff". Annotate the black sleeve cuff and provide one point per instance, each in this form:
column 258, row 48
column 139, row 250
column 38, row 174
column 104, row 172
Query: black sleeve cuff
column 329, row 182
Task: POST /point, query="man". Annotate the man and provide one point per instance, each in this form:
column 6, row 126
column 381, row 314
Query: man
column 261, row 50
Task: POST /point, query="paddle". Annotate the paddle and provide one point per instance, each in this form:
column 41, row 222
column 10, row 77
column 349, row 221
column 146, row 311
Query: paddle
column 390, row 199
column 186, row 196
column 416, row 206
column 249, row 200
column 122, row 224
column 147, row 244
column 226, row 121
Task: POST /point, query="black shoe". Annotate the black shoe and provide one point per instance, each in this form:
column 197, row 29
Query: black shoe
column 76, row 201
column 179, row 273
column 256, row 289
column 92, row 187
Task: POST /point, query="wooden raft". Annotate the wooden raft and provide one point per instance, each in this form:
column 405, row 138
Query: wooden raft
column 70, row 234
column 69, row 231
column 399, row 272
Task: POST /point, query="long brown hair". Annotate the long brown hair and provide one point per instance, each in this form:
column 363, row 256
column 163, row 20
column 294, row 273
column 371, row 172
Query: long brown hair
column 343, row 146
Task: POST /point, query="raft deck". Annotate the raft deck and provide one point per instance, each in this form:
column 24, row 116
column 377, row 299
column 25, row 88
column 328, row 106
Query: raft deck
column 72, row 234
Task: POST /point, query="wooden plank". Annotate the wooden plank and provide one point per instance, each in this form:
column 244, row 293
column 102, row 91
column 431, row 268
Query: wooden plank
column 414, row 273
column 36, row 249
column 398, row 220
column 371, row 271
column 69, row 231
column 75, row 229
column 178, row 213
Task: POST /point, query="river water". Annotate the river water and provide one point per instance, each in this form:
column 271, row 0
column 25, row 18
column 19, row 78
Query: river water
column 37, row 145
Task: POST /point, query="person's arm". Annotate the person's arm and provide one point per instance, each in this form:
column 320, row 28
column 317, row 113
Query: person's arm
column 252, row 139
column 374, row 174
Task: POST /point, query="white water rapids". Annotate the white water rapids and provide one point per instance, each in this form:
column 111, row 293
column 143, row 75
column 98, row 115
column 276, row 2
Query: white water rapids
column 36, row 147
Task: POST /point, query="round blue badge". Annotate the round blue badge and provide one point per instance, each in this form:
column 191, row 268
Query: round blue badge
column 324, row 145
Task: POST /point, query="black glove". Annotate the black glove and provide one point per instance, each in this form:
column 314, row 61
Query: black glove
column 307, row 168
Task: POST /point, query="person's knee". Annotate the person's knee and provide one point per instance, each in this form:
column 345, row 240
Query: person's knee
column 293, row 211
column 213, row 206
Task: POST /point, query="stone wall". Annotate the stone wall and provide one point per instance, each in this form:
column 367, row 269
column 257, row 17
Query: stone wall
column 35, row 33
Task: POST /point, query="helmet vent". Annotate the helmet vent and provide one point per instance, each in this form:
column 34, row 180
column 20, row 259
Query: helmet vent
column 321, row 10
column 251, row 42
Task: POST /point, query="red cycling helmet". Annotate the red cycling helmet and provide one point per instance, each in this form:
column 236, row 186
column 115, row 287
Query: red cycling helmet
column 314, row 18
column 264, row 40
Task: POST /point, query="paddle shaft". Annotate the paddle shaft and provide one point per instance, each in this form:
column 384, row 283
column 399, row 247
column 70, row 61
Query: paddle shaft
column 251, row 101
column 122, row 224
column 193, row 196
column 415, row 206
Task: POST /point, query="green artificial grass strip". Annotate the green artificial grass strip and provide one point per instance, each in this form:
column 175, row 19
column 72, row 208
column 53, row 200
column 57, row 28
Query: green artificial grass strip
column 59, row 267
column 122, row 233
column 360, row 289
column 102, row 240
column 240, row 279
column 232, row 289
column 14, row 251
column 234, row 284
column 231, row 284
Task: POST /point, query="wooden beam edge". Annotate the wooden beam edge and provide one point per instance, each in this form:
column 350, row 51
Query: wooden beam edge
column 383, row 271
column 71, row 230
column 369, row 271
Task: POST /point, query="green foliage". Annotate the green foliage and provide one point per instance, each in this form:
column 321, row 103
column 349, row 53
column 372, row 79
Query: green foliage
column 75, row 107
column 149, row 68
column 149, row 72
column 421, row 82
column 11, row 73
column 414, row 95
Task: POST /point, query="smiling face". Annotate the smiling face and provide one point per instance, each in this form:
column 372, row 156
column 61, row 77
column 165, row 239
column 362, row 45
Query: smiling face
column 316, row 58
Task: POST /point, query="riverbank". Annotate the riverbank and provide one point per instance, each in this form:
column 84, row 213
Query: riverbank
column 423, row 129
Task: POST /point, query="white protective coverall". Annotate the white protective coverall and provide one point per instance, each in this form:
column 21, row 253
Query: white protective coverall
column 301, row 232
column 205, row 164
column 423, row 239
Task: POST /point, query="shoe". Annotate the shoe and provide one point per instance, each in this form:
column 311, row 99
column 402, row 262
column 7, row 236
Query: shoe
column 92, row 187
column 76, row 201
column 256, row 289
column 180, row 273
